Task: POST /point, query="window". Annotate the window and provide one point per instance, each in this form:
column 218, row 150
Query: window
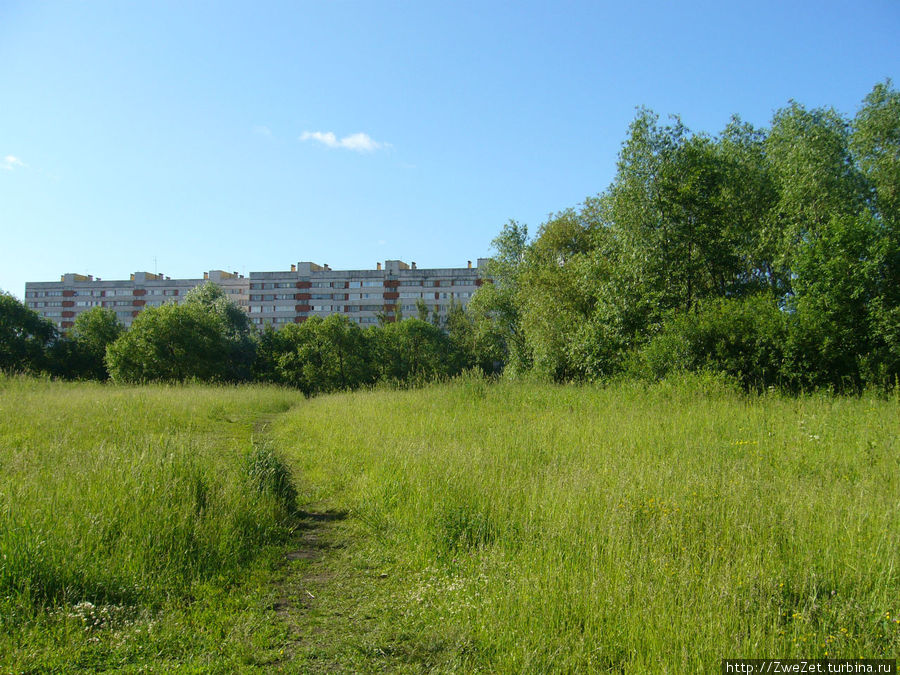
column 53, row 294
column 372, row 284
column 320, row 284
column 283, row 284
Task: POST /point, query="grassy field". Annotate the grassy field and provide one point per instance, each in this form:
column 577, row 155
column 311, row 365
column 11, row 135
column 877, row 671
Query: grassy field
column 462, row 527
column 117, row 500
column 540, row 528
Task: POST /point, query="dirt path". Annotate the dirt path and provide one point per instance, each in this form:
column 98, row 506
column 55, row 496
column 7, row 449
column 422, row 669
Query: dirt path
column 306, row 570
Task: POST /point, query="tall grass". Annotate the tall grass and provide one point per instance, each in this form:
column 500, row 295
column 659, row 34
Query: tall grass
column 635, row 527
column 124, row 495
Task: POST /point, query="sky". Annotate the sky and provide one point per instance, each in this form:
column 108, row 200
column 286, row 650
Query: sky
column 180, row 137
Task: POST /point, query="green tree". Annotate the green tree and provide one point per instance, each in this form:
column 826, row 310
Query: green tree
column 25, row 337
column 412, row 351
column 94, row 331
column 875, row 142
column 494, row 307
column 322, row 355
column 172, row 343
column 234, row 325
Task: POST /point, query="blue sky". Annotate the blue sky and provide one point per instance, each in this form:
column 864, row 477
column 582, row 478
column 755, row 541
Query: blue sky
column 185, row 136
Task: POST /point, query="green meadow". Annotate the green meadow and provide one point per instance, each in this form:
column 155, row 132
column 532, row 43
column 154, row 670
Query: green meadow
column 461, row 527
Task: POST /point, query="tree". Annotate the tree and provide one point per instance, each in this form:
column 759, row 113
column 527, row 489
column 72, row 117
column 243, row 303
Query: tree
column 172, row 343
column 875, row 143
column 322, row 355
column 25, row 337
column 412, row 350
column 94, row 331
column 234, row 325
column 495, row 308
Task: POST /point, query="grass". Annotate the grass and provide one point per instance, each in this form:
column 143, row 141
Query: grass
column 544, row 528
column 118, row 501
column 462, row 527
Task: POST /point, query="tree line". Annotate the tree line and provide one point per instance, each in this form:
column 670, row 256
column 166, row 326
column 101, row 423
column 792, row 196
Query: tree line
column 769, row 254
column 209, row 338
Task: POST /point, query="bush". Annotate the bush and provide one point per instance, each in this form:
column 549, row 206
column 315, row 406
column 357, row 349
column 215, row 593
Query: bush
column 742, row 338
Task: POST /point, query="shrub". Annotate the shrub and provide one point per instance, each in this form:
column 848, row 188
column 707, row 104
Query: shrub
column 742, row 338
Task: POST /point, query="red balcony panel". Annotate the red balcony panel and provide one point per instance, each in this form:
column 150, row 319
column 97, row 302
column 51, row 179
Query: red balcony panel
column 303, row 296
column 68, row 303
column 140, row 303
column 140, row 291
column 391, row 283
column 391, row 295
column 68, row 315
column 68, row 294
column 303, row 308
column 304, row 284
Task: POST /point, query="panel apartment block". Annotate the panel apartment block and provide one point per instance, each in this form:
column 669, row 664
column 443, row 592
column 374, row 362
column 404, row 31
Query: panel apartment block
column 307, row 289
column 61, row 301
column 392, row 290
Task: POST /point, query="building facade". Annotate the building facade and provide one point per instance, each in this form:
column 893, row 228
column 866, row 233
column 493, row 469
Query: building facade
column 278, row 298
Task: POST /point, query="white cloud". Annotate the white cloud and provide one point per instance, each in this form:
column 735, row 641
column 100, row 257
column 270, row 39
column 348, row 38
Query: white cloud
column 357, row 142
column 11, row 162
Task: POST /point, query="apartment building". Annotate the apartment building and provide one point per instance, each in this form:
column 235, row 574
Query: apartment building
column 392, row 289
column 61, row 301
